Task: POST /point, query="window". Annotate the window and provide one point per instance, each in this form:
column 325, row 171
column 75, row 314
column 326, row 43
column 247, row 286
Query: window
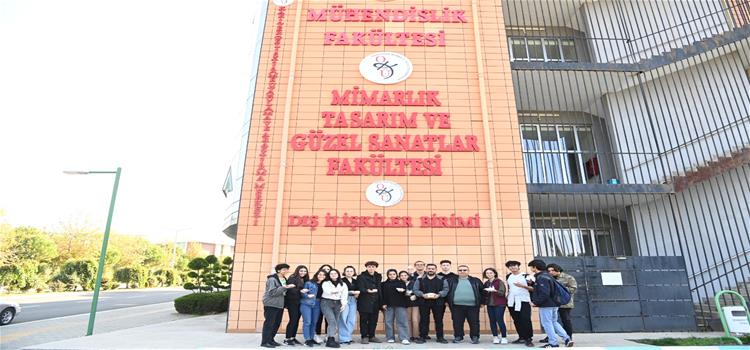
column 543, row 49
column 571, row 242
column 559, row 154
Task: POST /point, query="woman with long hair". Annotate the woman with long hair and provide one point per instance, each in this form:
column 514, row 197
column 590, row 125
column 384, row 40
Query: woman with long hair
column 332, row 303
column 349, row 317
column 292, row 303
column 319, row 329
column 413, row 304
column 310, row 307
column 495, row 299
column 395, row 301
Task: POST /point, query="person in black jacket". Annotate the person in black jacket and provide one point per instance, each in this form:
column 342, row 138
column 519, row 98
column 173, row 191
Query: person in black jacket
column 395, row 301
column 368, row 303
column 465, row 295
column 292, row 301
column 432, row 290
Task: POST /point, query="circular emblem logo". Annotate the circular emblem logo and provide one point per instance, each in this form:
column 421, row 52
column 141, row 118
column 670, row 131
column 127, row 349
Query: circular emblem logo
column 385, row 67
column 384, row 193
column 283, row 2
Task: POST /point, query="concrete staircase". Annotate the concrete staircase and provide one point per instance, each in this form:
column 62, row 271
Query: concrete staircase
column 710, row 169
column 696, row 48
column 647, row 64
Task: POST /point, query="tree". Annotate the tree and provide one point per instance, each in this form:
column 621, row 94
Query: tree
column 132, row 276
column 25, row 256
column 78, row 273
column 199, row 274
column 167, row 277
column 77, row 243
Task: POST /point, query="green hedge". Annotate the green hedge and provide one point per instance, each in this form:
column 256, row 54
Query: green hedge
column 202, row 303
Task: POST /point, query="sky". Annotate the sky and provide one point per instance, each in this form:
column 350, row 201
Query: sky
column 155, row 87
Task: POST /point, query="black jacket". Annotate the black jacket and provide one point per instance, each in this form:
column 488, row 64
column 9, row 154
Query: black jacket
column 351, row 286
column 476, row 285
column 369, row 302
column 543, row 287
column 392, row 297
column 293, row 295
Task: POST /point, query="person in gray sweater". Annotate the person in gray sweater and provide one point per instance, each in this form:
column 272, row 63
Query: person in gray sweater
column 273, row 304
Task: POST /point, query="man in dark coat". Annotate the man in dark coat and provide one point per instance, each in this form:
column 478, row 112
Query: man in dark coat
column 369, row 301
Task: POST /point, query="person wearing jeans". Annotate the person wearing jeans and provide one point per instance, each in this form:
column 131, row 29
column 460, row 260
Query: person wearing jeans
column 332, row 304
column 465, row 297
column 494, row 296
column 395, row 302
column 541, row 295
column 310, row 307
column 349, row 317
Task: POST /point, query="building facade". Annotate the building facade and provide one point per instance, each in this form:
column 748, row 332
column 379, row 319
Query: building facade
column 570, row 129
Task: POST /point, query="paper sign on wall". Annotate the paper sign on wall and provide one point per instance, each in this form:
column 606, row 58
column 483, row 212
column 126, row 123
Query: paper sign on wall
column 611, row 278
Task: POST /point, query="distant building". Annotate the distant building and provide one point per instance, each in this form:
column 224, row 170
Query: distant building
column 217, row 249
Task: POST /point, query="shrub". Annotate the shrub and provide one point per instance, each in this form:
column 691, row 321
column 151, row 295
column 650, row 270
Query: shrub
column 202, row 303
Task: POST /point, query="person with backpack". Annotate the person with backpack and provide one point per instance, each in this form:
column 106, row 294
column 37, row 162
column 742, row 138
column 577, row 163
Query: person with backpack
column 569, row 283
column 548, row 295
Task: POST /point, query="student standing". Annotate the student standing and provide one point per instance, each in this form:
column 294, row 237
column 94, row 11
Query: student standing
column 292, row 303
column 413, row 307
column 465, row 296
column 494, row 291
column 519, row 303
column 570, row 283
column 310, row 307
column 541, row 296
column 419, row 271
column 395, row 301
column 433, row 291
column 319, row 329
column 273, row 304
column 368, row 303
column 332, row 303
column 349, row 316
column 445, row 267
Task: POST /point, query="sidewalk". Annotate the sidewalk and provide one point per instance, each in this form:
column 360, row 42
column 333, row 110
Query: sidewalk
column 207, row 332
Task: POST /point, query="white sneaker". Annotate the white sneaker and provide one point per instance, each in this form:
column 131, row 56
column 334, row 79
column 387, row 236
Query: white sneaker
column 405, row 342
column 504, row 341
column 495, row 340
column 318, row 339
column 391, row 340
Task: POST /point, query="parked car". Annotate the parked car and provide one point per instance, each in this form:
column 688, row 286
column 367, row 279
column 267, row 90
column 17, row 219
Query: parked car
column 9, row 311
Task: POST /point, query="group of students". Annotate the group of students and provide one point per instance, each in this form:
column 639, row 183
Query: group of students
column 408, row 298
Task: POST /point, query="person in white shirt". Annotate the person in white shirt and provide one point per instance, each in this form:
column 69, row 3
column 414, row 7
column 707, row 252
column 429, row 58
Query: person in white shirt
column 332, row 303
column 519, row 303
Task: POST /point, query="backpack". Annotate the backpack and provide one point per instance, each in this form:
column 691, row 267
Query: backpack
column 560, row 295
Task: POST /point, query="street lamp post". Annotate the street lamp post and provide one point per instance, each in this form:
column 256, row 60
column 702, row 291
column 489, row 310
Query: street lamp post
column 103, row 254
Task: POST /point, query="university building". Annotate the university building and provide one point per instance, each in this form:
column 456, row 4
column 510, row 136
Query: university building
column 609, row 136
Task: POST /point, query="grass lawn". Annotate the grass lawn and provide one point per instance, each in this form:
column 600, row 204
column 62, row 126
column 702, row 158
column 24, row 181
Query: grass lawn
column 692, row 341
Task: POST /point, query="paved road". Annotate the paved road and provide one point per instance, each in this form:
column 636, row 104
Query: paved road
column 44, row 306
column 27, row 334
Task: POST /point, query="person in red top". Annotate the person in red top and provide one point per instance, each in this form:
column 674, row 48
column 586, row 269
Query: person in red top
column 495, row 299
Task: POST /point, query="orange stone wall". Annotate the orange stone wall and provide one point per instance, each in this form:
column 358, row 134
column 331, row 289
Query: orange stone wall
column 474, row 82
